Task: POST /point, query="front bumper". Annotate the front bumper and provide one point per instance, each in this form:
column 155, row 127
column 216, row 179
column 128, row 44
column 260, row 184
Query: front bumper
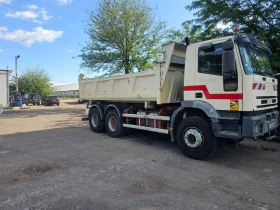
column 260, row 125
column 52, row 102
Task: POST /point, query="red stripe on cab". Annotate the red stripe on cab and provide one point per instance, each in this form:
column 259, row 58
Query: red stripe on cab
column 229, row 96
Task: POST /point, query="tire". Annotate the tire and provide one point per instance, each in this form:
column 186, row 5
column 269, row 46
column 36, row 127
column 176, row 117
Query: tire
column 57, row 104
column 196, row 139
column 33, row 104
column 38, row 103
column 114, row 124
column 96, row 123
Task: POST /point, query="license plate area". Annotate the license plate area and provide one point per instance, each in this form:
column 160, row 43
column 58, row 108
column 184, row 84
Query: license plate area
column 271, row 125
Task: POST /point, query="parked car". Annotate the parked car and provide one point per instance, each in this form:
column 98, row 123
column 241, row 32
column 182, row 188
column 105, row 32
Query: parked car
column 50, row 100
column 31, row 98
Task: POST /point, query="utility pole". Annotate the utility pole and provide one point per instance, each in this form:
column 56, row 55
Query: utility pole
column 16, row 72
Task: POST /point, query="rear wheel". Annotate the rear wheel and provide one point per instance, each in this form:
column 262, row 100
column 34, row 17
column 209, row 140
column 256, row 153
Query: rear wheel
column 95, row 121
column 196, row 139
column 114, row 124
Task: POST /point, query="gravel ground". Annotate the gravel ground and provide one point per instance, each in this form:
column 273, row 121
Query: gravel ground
column 50, row 159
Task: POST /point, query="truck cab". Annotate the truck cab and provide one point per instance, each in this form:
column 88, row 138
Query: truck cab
column 233, row 81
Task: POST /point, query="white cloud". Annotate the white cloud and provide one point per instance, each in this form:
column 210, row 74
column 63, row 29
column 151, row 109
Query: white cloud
column 2, row 28
column 45, row 15
column 64, row 2
column 69, row 51
column 24, row 15
column 32, row 6
column 5, row 1
column 28, row 38
column 1, row 50
column 34, row 13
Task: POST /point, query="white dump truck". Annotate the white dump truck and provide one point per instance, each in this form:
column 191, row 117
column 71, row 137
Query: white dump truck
column 198, row 94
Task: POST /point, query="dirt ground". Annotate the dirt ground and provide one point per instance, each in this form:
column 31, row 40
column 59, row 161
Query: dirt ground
column 50, row 159
column 41, row 117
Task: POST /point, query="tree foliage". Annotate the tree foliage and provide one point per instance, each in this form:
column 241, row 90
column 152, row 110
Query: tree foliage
column 187, row 30
column 123, row 37
column 261, row 18
column 33, row 80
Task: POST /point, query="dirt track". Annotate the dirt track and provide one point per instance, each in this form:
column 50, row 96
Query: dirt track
column 50, row 159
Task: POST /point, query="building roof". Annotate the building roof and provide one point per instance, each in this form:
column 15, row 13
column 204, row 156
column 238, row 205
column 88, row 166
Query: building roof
column 67, row 87
column 9, row 71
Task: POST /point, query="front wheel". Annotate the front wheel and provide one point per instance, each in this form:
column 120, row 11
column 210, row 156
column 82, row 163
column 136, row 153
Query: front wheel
column 196, row 139
column 114, row 124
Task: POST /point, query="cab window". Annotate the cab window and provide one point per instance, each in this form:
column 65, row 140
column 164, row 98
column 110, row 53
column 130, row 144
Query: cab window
column 210, row 60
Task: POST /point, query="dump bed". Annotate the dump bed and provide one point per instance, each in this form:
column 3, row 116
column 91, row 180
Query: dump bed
column 162, row 85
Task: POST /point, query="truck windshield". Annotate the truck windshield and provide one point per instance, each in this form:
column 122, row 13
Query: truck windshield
column 255, row 60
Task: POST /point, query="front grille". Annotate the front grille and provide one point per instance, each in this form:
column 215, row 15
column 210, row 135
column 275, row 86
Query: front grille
column 266, row 101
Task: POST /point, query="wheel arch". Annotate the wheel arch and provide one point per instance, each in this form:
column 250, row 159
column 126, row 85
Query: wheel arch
column 191, row 108
column 100, row 109
column 118, row 107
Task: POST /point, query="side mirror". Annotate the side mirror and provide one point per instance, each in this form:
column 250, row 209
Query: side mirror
column 229, row 69
column 228, row 45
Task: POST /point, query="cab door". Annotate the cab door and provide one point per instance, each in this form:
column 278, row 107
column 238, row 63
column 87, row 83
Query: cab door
column 212, row 84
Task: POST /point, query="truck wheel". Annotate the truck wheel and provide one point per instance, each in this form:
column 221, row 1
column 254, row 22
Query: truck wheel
column 114, row 124
column 95, row 122
column 195, row 138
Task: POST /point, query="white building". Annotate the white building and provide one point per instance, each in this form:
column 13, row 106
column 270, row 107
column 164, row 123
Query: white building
column 69, row 90
column 4, row 87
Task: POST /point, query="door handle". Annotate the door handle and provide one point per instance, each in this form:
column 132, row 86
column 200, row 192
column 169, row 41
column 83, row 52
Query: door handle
column 198, row 95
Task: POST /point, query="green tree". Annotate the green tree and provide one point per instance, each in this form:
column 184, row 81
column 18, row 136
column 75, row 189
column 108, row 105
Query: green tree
column 124, row 36
column 261, row 18
column 33, row 80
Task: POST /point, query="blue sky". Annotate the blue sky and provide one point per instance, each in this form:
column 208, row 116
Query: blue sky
column 49, row 33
